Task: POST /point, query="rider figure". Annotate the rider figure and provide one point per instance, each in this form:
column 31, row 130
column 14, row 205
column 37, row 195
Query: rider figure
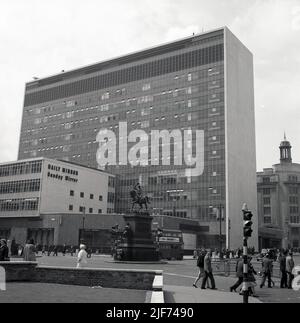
column 138, row 189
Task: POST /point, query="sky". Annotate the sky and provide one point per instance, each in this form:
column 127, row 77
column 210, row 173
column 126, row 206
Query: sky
column 41, row 38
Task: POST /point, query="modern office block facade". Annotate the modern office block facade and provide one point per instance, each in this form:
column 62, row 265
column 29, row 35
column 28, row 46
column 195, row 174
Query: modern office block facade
column 204, row 82
column 41, row 185
column 30, row 189
column 278, row 190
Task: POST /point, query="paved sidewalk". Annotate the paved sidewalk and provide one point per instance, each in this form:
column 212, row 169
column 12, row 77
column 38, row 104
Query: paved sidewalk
column 181, row 294
column 53, row 293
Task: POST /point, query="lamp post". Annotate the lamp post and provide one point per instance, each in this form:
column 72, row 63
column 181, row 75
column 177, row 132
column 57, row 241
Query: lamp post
column 220, row 222
column 83, row 225
column 218, row 212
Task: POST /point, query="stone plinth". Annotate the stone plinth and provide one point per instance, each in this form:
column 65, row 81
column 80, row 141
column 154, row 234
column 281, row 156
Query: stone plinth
column 139, row 244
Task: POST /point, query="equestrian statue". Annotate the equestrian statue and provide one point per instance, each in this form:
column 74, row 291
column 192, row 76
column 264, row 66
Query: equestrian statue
column 138, row 198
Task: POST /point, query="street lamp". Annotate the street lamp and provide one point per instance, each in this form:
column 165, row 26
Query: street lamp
column 219, row 213
column 83, row 225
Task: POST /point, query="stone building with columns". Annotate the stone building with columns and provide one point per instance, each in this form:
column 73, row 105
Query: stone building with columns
column 278, row 193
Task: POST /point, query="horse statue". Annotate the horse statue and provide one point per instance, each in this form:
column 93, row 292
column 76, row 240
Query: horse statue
column 137, row 198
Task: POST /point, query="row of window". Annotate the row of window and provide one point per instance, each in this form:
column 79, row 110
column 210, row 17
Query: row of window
column 211, row 84
column 72, row 193
column 19, row 205
column 189, row 117
column 204, row 99
column 21, row 168
column 32, row 185
column 82, row 209
column 155, row 68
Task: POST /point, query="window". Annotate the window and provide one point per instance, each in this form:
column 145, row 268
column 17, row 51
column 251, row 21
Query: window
column 111, row 181
column 294, row 209
column 100, row 198
column 267, row 200
column 91, row 196
column 70, row 207
column 293, row 199
column 32, row 185
column 72, row 193
column 81, row 209
column 267, row 210
column 90, row 210
column 142, row 71
column 295, row 219
column 13, row 205
column 267, row 219
column 110, row 197
column 293, row 178
column 81, row 194
column 266, row 191
column 100, row 211
column 266, row 179
column 293, row 190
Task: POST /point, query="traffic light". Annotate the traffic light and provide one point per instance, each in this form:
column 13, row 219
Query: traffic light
column 247, row 223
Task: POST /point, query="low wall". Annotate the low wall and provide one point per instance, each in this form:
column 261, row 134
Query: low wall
column 19, row 271
column 104, row 277
column 109, row 278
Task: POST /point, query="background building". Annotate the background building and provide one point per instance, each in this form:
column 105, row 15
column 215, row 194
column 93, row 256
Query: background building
column 29, row 188
column 204, row 82
column 278, row 202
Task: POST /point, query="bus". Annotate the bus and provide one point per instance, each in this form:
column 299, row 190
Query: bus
column 170, row 244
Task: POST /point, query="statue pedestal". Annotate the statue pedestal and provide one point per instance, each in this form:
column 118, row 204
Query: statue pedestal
column 139, row 244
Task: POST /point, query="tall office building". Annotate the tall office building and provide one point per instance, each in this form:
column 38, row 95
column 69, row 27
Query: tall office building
column 203, row 82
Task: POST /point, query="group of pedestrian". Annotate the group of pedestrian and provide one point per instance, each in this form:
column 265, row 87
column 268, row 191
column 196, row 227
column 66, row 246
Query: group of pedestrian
column 286, row 263
column 204, row 262
column 251, row 280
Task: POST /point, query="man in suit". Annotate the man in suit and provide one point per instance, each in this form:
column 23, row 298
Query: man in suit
column 267, row 267
column 289, row 269
column 208, row 271
column 239, row 275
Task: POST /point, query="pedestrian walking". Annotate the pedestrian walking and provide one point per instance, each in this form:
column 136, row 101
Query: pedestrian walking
column 200, row 265
column 267, row 267
column 282, row 267
column 251, row 278
column 3, row 250
column 289, row 268
column 64, row 250
column 239, row 275
column 55, row 251
column 29, row 252
column 82, row 257
column 208, row 271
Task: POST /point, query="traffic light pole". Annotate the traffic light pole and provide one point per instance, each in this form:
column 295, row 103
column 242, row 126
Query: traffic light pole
column 245, row 272
column 220, row 221
column 247, row 215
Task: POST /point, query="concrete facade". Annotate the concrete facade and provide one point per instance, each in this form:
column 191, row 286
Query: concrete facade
column 34, row 186
column 240, row 141
column 278, row 202
column 203, row 82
